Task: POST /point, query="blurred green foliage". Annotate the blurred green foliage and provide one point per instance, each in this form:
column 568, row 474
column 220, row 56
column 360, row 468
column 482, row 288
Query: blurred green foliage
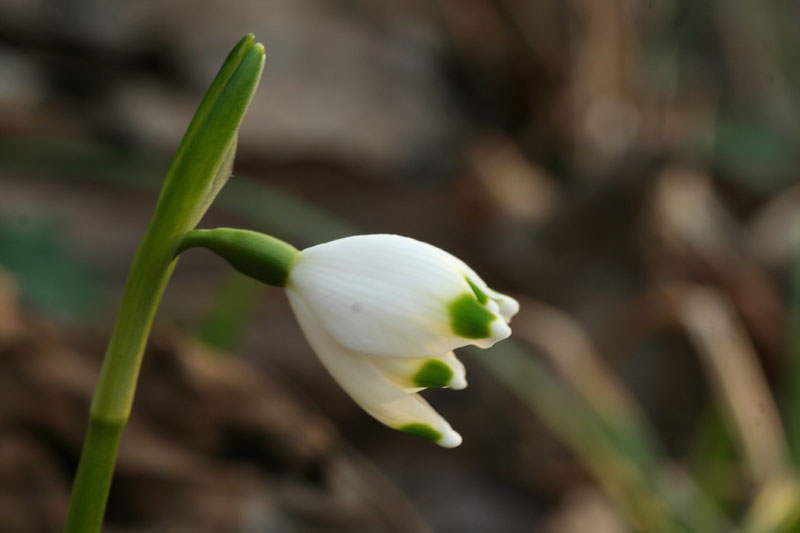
column 50, row 276
column 755, row 152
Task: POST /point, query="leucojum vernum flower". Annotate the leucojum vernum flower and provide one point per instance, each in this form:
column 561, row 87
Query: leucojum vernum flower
column 383, row 314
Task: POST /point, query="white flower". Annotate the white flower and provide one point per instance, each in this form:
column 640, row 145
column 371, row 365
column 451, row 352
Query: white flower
column 384, row 314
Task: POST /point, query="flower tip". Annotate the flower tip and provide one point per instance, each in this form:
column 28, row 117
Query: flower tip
column 444, row 436
column 450, row 439
column 498, row 330
column 458, row 382
column 508, row 307
column 247, row 40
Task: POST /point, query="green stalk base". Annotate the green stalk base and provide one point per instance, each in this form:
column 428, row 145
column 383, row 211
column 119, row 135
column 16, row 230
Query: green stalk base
column 94, row 472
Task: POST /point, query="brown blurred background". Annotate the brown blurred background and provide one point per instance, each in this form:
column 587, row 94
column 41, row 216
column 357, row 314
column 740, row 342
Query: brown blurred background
column 627, row 168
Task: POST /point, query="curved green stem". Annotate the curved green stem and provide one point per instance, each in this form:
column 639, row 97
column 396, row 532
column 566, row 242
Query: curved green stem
column 200, row 168
column 260, row 256
column 116, row 385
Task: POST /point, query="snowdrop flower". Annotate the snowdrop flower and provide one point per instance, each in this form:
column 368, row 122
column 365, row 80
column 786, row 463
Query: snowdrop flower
column 383, row 314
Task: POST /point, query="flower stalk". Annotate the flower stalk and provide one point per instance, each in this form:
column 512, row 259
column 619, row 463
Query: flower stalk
column 259, row 256
column 201, row 167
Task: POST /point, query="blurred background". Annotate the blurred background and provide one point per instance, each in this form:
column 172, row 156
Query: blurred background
column 626, row 168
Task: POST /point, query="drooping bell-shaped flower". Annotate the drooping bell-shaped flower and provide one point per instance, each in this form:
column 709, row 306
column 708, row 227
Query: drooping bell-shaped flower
column 384, row 314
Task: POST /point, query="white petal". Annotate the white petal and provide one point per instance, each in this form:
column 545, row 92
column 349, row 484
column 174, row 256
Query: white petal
column 383, row 294
column 367, row 385
column 459, row 380
column 499, row 330
column 507, row 306
column 417, row 373
column 492, row 306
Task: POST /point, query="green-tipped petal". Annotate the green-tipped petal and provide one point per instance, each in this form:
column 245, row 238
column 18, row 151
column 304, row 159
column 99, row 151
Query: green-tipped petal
column 417, row 373
column 479, row 294
column 433, row 373
column 471, row 320
column 421, row 430
column 393, row 296
column 369, row 386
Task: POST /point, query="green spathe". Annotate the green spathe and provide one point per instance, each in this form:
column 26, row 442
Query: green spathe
column 433, row 373
column 421, row 430
column 469, row 319
column 254, row 254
